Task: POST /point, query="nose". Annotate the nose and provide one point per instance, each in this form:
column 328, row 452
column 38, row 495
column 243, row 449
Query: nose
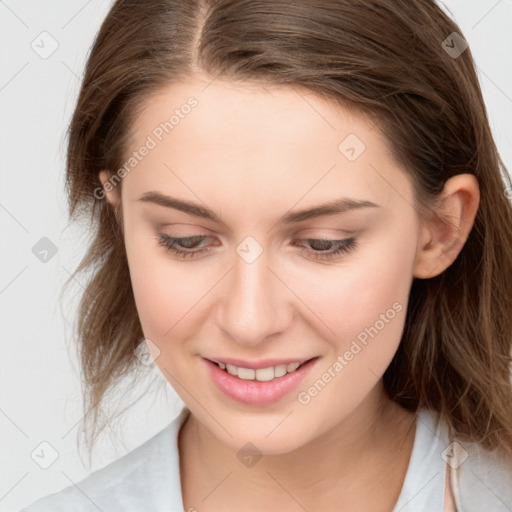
column 254, row 304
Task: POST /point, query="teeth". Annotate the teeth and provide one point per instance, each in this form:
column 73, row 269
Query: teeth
column 261, row 374
column 264, row 374
column 280, row 370
column 232, row 370
column 246, row 373
column 292, row 366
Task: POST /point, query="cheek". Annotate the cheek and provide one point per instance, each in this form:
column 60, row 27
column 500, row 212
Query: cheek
column 365, row 298
column 364, row 304
column 163, row 292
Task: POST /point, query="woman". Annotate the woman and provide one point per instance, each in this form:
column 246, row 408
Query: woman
column 300, row 211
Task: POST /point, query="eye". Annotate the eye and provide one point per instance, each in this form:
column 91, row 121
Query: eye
column 325, row 249
column 320, row 249
column 183, row 247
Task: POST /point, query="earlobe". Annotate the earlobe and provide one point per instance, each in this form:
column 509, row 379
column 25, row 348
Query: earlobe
column 110, row 193
column 443, row 237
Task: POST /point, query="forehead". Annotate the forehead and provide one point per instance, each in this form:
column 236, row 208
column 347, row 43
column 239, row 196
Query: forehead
column 249, row 114
column 251, row 141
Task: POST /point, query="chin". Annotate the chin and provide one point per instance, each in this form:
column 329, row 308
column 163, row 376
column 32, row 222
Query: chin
column 269, row 436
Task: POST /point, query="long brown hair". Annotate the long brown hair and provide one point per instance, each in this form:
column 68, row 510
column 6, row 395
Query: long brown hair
column 391, row 59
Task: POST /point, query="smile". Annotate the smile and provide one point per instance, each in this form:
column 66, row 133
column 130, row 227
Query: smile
column 261, row 374
column 258, row 386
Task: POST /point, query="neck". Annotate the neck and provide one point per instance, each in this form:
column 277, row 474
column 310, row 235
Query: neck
column 367, row 451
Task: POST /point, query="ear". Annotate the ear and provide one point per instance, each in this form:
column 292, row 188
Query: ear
column 443, row 237
column 110, row 191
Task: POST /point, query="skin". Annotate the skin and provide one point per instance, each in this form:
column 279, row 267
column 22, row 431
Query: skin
column 252, row 154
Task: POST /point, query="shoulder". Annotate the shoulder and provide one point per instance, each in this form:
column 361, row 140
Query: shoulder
column 146, row 478
column 444, row 471
column 481, row 479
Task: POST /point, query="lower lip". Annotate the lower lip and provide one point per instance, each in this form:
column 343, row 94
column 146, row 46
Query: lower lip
column 256, row 392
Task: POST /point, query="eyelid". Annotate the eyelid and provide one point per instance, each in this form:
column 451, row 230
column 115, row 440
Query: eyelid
column 188, row 227
column 327, row 233
column 341, row 247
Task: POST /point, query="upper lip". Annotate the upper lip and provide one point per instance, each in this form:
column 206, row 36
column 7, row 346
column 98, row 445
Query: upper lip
column 255, row 365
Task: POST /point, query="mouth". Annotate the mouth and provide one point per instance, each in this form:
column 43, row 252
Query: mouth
column 260, row 383
column 259, row 372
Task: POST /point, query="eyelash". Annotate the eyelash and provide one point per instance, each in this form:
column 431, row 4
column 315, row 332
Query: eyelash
column 343, row 247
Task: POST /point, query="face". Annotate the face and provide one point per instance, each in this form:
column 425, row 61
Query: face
column 233, row 262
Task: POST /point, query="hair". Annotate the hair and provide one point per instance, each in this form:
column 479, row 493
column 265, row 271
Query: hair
column 382, row 58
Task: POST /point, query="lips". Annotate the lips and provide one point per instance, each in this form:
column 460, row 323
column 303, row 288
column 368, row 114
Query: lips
column 250, row 390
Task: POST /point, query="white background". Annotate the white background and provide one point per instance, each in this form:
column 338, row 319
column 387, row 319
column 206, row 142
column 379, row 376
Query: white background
column 40, row 391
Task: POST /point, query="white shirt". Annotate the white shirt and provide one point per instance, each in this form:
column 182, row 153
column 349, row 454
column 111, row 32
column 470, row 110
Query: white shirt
column 147, row 479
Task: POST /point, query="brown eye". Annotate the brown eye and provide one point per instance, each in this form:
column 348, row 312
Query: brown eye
column 183, row 247
column 324, row 249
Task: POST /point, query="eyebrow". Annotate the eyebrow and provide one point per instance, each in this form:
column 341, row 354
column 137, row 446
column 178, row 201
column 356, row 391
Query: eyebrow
column 330, row 208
